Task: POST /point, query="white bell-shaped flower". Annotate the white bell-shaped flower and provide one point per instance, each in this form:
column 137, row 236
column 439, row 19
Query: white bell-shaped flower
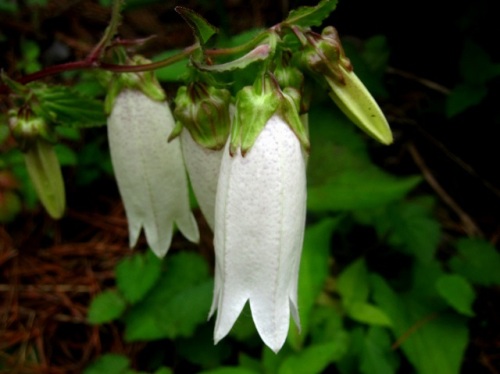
column 259, row 229
column 203, row 165
column 149, row 170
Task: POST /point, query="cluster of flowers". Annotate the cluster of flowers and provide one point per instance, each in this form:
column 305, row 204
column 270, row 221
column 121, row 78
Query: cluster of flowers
column 246, row 159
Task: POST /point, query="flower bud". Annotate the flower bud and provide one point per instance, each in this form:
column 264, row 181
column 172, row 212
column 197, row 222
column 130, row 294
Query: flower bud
column 325, row 58
column 45, row 174
column 204, row 112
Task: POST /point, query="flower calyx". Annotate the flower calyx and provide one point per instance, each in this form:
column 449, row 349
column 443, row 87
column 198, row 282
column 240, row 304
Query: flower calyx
column 145, row 82
column 256, row 104
column 204, row 111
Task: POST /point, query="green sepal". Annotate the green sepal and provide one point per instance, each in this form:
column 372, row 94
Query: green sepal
column 145, row 82
column 255, row 105
column 202, row 30
column 360, row 107
column 289, row 111
column 204, row 111
column 45, row 173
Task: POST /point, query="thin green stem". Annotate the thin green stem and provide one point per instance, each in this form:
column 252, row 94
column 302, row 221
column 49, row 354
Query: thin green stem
column 110, row 32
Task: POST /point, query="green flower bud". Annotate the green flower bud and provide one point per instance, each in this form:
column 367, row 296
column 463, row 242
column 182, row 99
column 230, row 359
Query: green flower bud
column 45, row 173
column 325, row 58
column 204, row 112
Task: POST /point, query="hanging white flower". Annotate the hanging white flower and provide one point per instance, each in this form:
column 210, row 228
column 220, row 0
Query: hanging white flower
column 203, row 165
column 259, row 229
column 149, row 170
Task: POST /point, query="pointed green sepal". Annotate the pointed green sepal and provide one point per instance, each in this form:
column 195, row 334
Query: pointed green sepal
column 360, row 107
column 289, row 112
column 45, row 173
column 145, row 82
column 204, row 111
column 254, row 106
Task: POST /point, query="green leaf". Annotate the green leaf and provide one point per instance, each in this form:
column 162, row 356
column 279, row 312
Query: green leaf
column 478, row 261
column 367, row 313
column 229, row 370
column 433, row 341
column 376, row 355
column 176, row 305
column 352, row 283
column 67, row 107
column 65, row 155
column 172, row 73
column 308, row 16
column 200, row 350
column 359, row 189
column 137, row 274
column 164, row 370
column 464, row 96
column 457, row 292
column 476, row 66
column 109, row 363
column 313, row 272
column 202, row 30
column 259, row 53
column 411, row 227
column 106, row 307
column 313, row 359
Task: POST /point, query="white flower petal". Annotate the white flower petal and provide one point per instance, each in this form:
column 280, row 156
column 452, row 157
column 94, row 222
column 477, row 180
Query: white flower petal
column 203, row 167
column 149, row 170
column 259, row 221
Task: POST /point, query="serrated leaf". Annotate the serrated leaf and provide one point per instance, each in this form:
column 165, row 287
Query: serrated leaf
column 359, row 189
column 367, row 313
column 313, row 359
column 352, row 283
column 106, row 307
column 309, row 16
column 137, row 274
column 464, row 96
column 433, row 341
column 478, row 261
column 229, row 370
column 202, row 30
column 313, row 272
column 376, row 355
column 176, row 305
column 109, row 363
column 259, row 53
column 411, row 227
column 457, row 292
column 67, row 107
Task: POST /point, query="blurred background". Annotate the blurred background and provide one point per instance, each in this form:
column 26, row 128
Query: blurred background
column 400, row 271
